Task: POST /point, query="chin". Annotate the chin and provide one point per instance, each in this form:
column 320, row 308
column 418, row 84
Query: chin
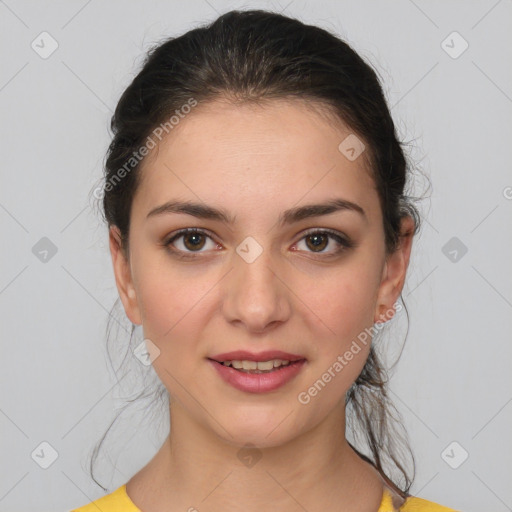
column 262, row 428
column 258, row 439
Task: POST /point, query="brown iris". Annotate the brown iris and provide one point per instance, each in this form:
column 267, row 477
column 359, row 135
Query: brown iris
column 317, row 243
column 196, row 243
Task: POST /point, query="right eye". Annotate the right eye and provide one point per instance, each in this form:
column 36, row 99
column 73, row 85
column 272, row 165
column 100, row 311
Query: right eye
column 192, row 241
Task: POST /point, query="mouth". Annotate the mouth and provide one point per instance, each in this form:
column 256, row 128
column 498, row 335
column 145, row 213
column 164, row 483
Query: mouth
column 257, row 373
column 247, row 366
column 261, row 362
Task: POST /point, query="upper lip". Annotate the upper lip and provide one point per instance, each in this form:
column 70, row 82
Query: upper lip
column 267, row 355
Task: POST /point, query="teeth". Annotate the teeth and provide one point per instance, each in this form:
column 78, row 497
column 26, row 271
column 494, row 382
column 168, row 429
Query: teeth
column 257, row 365
column 265, row 365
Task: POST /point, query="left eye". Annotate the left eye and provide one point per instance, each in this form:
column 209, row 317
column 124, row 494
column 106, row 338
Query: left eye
column 193, row 240
column 318, row 240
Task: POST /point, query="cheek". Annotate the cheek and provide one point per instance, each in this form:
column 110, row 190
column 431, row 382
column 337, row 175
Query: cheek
column 170, row 306
column 173, row 319
column 346, row 304
column 169, row 292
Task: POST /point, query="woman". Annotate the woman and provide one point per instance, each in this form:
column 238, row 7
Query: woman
column 260, row 233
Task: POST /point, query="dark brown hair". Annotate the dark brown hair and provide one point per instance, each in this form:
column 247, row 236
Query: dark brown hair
column 258, row 56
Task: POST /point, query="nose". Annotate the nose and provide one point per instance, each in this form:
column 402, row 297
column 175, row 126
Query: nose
column 256, row 295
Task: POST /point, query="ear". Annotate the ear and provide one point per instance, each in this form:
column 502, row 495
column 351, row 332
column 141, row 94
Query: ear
column 394, row 272
column 123, row 275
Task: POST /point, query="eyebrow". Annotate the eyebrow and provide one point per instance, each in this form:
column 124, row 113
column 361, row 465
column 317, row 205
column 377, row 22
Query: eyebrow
column 203, row 211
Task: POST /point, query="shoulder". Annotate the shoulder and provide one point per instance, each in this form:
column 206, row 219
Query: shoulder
column 116, row 501
column 391, row 502
column 414, row 504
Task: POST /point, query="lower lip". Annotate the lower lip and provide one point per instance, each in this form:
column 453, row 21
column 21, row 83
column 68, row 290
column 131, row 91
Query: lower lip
column 258, row 382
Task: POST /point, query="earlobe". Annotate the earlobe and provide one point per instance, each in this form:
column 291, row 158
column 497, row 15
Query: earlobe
column 394, row 273
column 123, row 277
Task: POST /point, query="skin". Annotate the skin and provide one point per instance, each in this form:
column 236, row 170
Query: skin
column 255, row 162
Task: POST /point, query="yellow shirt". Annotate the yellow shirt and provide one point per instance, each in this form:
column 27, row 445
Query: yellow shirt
column 119, row 501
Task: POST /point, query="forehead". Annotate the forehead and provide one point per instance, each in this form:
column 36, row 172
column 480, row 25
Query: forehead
column 268, row 156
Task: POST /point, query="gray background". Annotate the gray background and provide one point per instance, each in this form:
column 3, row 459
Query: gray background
column 453, row 382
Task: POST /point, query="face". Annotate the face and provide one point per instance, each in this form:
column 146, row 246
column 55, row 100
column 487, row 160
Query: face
column 257, row 271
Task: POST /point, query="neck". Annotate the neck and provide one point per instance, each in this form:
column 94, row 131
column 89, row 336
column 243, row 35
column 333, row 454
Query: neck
column 316, row 471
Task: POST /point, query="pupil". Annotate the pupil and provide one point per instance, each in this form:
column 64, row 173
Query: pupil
column 317, row 241
column 194, row 245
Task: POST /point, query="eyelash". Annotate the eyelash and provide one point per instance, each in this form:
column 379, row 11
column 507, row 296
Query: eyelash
column 344, row 243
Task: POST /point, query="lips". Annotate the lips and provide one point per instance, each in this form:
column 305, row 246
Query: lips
column 267, row 355
column 258, row 382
